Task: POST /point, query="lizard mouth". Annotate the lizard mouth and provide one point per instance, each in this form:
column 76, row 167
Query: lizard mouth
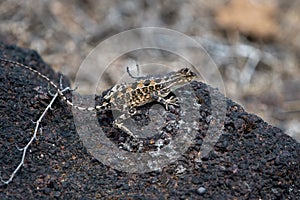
column 192, row 76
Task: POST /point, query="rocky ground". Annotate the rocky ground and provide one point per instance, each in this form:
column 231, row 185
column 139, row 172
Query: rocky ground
column 250, row 160
column 255, row 44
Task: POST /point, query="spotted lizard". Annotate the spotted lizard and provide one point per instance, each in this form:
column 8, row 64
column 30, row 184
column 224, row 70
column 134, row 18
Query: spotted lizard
column 126, row 97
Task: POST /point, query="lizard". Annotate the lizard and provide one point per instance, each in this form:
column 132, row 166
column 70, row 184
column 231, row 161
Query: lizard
column 126, row 97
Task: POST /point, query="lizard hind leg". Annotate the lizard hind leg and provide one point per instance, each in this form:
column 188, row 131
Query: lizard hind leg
column 118, row 122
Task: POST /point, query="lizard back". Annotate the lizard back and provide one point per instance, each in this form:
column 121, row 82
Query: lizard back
column 126, row 96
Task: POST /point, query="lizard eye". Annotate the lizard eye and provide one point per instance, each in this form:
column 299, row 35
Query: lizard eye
column 185, row 70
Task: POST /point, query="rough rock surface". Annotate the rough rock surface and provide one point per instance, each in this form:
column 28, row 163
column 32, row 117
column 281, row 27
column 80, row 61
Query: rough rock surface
column 251, row 159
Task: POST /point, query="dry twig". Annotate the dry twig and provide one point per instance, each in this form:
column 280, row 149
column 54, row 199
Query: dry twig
column 24, row 149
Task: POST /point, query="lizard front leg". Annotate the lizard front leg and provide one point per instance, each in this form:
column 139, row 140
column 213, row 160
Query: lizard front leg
column 160, row 98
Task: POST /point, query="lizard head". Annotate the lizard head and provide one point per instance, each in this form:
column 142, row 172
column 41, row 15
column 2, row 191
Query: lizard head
column 186, row 74
column 180, row 78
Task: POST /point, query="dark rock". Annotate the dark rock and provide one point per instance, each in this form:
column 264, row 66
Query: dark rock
column 250, row 160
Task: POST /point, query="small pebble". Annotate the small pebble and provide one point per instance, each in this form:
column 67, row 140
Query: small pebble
column 201, row 190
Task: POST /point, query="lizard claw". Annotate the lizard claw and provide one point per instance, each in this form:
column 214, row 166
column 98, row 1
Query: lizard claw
column 171, row 101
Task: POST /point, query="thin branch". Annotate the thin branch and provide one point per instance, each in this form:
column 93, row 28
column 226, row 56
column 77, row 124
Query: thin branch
column 24, row 149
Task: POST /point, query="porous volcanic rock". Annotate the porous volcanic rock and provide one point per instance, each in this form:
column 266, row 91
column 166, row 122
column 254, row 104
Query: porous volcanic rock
column 250, row 159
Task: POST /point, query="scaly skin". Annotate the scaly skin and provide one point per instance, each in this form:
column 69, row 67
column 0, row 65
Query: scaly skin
column 127, row 97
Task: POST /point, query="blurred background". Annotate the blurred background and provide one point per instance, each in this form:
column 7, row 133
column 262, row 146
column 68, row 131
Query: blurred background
column 255, row 44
